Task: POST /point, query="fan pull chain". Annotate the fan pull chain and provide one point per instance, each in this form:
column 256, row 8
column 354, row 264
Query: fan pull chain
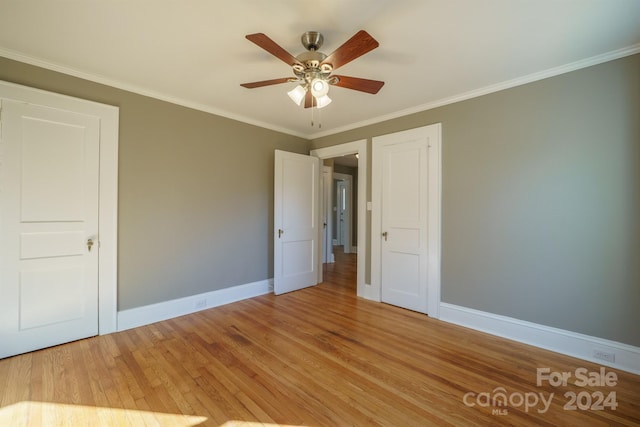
column 319, row 117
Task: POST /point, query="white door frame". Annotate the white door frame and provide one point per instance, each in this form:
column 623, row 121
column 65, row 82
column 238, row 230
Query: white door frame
column 108, row 197
column 347, row 223
column 359, row 148
column 327, row 233
column 434, row 219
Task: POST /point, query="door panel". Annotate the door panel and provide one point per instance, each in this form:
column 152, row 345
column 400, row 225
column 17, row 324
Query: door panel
column 48, row 244
column 402, row 175
column 48, row 275
column 40, row 291
column 298, row 256
column 53, row 167
column 404, row 265
column 296, row 221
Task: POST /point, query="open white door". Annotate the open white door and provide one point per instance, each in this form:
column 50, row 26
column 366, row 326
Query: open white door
column 296, row 221
column 49, row 227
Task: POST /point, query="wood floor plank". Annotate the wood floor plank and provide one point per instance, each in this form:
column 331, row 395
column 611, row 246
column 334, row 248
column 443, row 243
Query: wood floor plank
column 302, row 374
column 315, row 357
column 344, row 389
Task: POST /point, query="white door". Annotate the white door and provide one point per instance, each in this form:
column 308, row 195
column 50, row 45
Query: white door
column 296, row 221
column 48, row 221
column 401, row 161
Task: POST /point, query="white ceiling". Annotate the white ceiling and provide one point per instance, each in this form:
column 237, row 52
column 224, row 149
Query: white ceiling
column 431, row 51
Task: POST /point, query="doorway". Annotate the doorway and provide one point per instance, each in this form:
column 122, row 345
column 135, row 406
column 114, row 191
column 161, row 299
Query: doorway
column 359, row 208
column 343, row 206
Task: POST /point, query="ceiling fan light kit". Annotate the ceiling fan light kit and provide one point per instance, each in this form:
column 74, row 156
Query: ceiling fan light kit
column 319, row 87
column 297, row 94
column 322, row 101
column 312, row 69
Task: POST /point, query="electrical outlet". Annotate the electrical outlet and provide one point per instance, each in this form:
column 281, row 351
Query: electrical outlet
column 201, row 303
column 603, row 355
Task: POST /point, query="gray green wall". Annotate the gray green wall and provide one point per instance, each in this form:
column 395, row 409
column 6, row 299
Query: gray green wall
column 195, row 192
column 541, row 199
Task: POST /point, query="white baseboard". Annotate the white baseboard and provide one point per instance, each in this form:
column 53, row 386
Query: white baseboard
column 148, row 314
column 627, row 357
column 369, row 292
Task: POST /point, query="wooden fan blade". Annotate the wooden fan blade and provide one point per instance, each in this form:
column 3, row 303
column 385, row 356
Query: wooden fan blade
column 356, row 83
column 254, row 85
column 309, row 100
column 353, row 48
column 273, row 48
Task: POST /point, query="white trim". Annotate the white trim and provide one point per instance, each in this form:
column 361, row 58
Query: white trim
column 519, row 81
column 327, row 232
column 627, row 357
column 359, row 148
column 140, row 316
column 434, row 226
column 434, row 134
column 108, row 198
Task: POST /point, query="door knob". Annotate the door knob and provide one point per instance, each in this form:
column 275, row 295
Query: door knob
column 385, row 234
column 280, row 231
column 89, row 244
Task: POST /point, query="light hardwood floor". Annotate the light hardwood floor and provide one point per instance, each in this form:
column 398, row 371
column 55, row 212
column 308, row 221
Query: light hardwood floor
column 315, row 357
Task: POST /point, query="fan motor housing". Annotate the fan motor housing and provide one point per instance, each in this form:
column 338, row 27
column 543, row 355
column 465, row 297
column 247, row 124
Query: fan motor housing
column 311, row 65
column 311, row 59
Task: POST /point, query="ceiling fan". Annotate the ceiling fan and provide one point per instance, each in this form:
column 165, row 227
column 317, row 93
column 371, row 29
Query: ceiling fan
column 312, row 69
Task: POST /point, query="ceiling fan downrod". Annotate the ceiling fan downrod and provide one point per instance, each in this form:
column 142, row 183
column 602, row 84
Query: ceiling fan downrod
column 312, row 40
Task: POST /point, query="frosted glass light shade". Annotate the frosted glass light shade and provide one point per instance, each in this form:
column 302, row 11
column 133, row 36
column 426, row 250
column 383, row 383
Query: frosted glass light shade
column 323, row 101
column 319, row 88
column 297, row 94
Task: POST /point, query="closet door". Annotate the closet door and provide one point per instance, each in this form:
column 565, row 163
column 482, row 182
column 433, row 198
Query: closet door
column 48, row 227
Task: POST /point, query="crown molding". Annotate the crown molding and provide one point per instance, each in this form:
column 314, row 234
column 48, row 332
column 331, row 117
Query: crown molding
column 96, row 78
column 530, row 78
